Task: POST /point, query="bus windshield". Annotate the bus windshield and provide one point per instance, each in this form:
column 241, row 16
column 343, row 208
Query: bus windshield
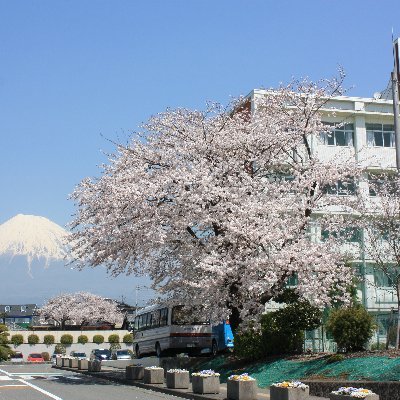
column 188, row 316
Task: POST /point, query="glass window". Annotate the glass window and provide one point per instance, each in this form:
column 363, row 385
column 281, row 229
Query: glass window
column 349, row 234
column 376, row 182
column 341, row 188
column 379, row 135
column 164, row 317
column 136, row 324
column 155, row 320
column 381, row 279
column 340, row 136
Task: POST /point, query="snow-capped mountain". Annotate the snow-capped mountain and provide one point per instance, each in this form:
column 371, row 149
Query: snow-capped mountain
column 33, row 237
column 34, row 266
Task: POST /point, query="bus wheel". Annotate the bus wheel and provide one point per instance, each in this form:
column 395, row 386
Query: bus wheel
column 137, row 351
column 214, row 348
column 158, row 350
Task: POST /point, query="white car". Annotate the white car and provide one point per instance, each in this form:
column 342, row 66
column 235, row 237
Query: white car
column 120, row 355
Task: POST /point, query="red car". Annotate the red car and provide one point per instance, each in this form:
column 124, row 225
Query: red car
column 35, row 357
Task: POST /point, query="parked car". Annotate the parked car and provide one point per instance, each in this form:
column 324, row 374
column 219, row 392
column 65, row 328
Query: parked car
column 120, row 355
column 17, row 356
column 77, row 354
column 100, row 354
column 35, row 357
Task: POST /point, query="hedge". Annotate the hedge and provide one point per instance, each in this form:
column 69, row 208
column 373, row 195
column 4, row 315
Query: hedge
column 114, row 338
column 82, row 339
column 66, row 339
column 128, row 338
column 98, row 339
column 33, row 339
column 48, row 339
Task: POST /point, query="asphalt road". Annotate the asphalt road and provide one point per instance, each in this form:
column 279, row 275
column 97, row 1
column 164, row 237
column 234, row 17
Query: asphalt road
column 41, row 382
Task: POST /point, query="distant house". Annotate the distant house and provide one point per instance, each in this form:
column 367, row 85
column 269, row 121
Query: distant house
column 18, row 315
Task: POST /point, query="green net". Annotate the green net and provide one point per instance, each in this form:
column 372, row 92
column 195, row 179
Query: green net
column 353, row 369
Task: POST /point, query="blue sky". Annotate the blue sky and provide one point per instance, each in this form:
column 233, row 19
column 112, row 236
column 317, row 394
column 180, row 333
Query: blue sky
column 73, row 73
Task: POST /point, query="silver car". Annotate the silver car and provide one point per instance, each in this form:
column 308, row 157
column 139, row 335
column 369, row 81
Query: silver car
column 120, row 355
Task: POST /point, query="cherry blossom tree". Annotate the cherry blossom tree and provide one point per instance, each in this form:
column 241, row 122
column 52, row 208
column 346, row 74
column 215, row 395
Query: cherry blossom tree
column 219, row 207
column 80, row 308
column 380, row 218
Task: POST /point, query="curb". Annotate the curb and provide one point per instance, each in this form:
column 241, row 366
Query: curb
column 183, row 393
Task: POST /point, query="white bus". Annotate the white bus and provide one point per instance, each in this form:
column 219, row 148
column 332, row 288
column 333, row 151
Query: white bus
column 162, row 329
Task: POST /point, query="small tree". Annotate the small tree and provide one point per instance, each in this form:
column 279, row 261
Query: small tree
column 98, row 339
column 5, row 350
column 351, row 327
column 128, row 338
column 114, row 346
column 114, row 338
column 66, row 339
column 33, row 339
column 48, row 339
column 46, row 356
column 60, row 349
column 83, row 339
column 17, row 339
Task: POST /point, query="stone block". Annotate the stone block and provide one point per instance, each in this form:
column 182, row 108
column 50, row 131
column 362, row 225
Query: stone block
column 333, row 396
column 59, row 361
column 153, row 375
column 134, row 372
column 241, row 390
column 83, row 364
column 282, row 393
column 178, row 380
column 94, row 366
column 73, row 363
column 205, row 384
column 65, row 361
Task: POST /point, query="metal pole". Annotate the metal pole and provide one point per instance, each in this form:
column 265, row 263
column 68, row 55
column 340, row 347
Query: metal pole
column 395, row 91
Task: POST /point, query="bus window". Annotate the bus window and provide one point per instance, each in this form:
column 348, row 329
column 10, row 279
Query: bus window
column 155, row 320
column 164, row 317
column 142, row 321
column 136, row 324
column 184, row 316
column 148, row 320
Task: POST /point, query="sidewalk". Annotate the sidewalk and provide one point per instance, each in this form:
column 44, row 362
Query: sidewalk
column 118, row 375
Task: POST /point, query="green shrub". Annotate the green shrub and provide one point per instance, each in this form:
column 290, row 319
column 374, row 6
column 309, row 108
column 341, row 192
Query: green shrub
column 83, row 339
column 282, row 331
column 378, row 346
column 46, row 356
column 335, row 358
column 128, row 338
column 48, row 339
column 60, row 349
column 5, row 350
column 66, row 339
column 351, row 327
column 33, row 339
column 17, row 340
column 115, row 346
column 98, row 339
column 114, row 338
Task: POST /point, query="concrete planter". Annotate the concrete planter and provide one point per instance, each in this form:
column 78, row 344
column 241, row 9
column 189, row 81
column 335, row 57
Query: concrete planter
column 134, row 372
column 73, row 363
column 94, row 366
column 65, row 361
column 241, row 390
column 178, row 380
column 345, row 397
column 59, row 361
column 83, row 364
column 205, row 384
column 282, row 393
column 153, row 375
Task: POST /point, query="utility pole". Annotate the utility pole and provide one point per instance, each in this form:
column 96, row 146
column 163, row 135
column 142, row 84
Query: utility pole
column 395, row 91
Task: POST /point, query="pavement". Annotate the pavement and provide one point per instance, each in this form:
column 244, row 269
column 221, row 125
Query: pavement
column 116, row 374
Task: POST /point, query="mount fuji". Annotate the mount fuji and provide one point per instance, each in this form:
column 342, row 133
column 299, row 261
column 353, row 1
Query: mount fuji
column 34, row 265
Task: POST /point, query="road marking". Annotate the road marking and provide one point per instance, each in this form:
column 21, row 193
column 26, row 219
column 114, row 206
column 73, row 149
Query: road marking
column 13, row 386
column 5, row 378
column 51, row 395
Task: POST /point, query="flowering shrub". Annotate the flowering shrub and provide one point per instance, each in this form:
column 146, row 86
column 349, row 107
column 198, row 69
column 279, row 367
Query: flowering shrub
column 177, row 370
column 154, row 367
column 358, row 393
column 205, row 373
column 242, row 377
column 291, row 384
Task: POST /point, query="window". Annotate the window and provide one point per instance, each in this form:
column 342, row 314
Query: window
column 349, row 234
column 164, row 317
column 292, row 280
column 155, row 319
column 377, row 181
column 381, row 279
column 341, row 188
column 379, row 135
column 340, row 136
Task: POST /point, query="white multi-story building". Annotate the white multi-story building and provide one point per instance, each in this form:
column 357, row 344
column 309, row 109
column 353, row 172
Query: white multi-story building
column 367, row 133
